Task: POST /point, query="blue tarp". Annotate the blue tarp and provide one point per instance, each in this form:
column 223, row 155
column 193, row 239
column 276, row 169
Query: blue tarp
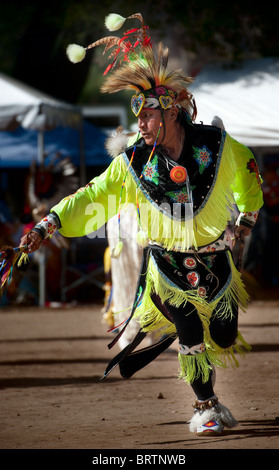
column 20, row 147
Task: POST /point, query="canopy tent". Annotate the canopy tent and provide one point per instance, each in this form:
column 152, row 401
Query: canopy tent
column 21, row 105
column 245, row 97
column 25, row 107
column 19, row 148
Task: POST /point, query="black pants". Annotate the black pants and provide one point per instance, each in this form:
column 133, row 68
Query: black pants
column 190, row 333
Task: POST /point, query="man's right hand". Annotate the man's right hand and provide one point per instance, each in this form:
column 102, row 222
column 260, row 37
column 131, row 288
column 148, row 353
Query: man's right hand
column 33, row 241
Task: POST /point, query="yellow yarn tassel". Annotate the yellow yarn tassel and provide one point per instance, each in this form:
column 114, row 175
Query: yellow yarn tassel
column 23, row 259
column 142, row 239
column 117, row 250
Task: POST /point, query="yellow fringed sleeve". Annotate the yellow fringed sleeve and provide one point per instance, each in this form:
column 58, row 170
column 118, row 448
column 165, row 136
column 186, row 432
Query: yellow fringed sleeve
column 90, row 207
column 236, row 181
column 246, row 186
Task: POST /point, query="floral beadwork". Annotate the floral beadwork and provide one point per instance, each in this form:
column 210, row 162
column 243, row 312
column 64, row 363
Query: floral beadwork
column 180, row 196
column 194, row 278
column 251, row 215
column 203, row 156
column 150, row 171
column 190, row 263
column 49, row 226
column 252, row 166
column 202, row 292
column 249, row 218
column 170, row 259
column 209, row 260
column 211, row 247
column 193, row 350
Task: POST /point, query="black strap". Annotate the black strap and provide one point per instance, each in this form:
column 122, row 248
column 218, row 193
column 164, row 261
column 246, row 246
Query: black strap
column 130, row 362
column 139, row 359
column 120, row 357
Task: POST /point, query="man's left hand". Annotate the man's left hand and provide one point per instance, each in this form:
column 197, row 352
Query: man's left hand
column 242, row 231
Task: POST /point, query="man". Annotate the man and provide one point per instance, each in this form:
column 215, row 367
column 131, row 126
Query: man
column 183, row 179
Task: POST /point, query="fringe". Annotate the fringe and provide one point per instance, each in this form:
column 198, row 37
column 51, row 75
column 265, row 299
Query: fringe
column 193, row 367
column 209, row 220
column 152, row 320
column 234, row 292
column 174, row 234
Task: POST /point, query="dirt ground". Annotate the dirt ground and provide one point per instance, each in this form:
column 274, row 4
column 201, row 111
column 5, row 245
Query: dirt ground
column 51, row 363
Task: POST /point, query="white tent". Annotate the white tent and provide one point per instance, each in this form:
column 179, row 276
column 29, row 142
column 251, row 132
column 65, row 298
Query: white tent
column 245, row 97
column 20, row 105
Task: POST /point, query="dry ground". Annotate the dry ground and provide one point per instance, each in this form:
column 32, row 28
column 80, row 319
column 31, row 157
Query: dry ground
column 52, row 397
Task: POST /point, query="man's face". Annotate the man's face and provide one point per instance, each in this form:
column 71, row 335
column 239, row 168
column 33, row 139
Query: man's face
column 149, row 122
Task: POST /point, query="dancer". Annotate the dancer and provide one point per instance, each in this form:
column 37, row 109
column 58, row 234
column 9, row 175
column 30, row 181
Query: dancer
column 183, row 180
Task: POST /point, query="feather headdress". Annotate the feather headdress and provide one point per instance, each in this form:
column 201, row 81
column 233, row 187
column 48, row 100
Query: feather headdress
column 149, row 70
column 124, row 46
column 139, row 67
column 135, row 65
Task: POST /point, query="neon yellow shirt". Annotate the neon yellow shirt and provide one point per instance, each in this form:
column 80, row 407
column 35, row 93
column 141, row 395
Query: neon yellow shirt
column 237, row 181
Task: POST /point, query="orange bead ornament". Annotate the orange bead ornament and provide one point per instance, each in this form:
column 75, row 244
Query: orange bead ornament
column 178, row 174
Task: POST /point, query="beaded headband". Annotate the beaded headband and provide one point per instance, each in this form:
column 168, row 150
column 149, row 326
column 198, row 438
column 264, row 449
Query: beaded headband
column 159, row 97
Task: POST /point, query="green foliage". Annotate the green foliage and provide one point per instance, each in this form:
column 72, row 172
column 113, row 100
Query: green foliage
column 34, row 36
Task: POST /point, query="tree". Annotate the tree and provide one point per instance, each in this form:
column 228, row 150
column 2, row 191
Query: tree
column 34, row 40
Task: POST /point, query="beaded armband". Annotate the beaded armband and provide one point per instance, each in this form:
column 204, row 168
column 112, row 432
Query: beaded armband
column 48, row 225
column 193, row 351
column 248, row 219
